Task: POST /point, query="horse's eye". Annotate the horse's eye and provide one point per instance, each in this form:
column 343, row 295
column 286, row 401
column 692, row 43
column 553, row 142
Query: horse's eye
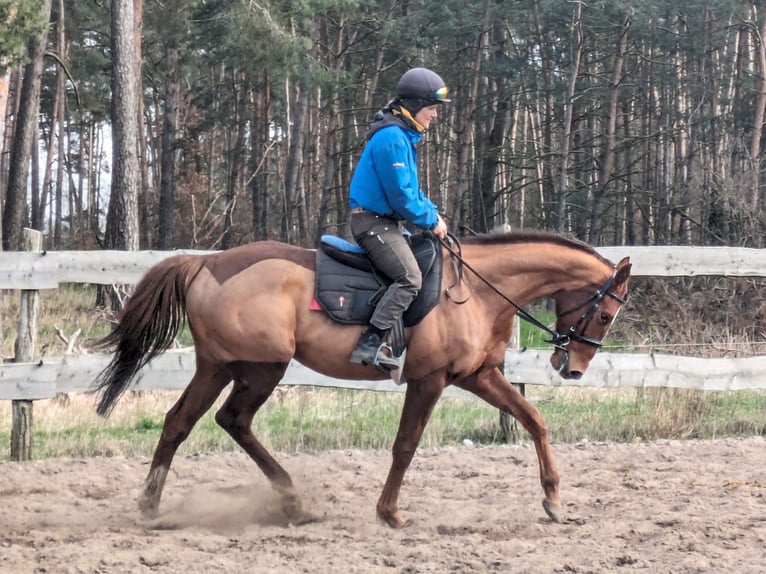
column 605, row 318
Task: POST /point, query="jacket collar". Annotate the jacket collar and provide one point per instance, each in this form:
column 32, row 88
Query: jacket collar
column 393, row 115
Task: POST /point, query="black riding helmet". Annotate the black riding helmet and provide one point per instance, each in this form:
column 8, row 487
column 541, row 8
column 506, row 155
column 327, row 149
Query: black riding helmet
column 420, row 87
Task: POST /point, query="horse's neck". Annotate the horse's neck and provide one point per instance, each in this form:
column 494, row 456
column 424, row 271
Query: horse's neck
column 529, row 271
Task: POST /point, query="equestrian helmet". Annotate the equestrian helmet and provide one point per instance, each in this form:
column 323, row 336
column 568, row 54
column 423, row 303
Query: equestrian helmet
column 421, row 87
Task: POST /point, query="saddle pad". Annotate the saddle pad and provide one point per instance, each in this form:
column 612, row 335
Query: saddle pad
column 348, row 293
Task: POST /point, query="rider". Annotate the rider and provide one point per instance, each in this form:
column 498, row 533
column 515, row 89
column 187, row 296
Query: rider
column 385, row 192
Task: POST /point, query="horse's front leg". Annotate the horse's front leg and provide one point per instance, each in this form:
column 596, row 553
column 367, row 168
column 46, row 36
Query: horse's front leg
column 419, row 401
column 491, row 385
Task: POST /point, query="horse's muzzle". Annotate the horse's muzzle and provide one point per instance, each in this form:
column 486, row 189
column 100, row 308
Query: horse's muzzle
column 560, row 362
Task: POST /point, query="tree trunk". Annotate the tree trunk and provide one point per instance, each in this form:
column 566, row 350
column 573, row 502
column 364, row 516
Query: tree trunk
column 61, row 149
column 40, row 197
column 562, row 224
column 610, row 137
column 259, row 159
column 122, row 217
column 5, row 79
column 760, row 110
column 544, row 138
column 299, row 97
column 236, row 159
column 165, row 231
column 464, row 129
column 14, row 210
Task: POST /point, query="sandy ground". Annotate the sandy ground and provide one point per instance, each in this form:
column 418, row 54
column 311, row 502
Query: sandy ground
column 671, row 506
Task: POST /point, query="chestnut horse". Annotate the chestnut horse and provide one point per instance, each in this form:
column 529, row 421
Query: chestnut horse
column 248, row 310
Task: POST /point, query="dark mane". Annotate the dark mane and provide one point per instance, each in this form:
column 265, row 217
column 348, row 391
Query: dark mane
column 532, row 237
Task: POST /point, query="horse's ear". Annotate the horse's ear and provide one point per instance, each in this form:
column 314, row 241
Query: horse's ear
column 623, row 271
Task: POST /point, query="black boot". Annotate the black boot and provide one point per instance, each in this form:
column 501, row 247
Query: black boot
column 367, row 347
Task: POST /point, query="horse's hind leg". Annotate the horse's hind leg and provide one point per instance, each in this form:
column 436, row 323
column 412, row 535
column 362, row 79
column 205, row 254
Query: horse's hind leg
column 492, row 386
column 253, row 385
column 197, row 398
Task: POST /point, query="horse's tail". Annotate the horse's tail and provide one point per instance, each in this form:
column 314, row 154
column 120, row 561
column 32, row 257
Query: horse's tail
column 146, row 325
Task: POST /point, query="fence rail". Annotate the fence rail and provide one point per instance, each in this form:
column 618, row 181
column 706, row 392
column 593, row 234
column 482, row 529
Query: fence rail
column 173, row 370
column 47, row 270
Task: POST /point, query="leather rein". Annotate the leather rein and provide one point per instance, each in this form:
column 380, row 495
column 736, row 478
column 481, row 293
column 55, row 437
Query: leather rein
column 558, row 340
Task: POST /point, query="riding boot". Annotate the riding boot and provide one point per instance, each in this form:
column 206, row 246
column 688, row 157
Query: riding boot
column 366, row 350
column 373, row 350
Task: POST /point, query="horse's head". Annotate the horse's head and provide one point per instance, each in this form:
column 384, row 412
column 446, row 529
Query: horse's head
column 583, row 319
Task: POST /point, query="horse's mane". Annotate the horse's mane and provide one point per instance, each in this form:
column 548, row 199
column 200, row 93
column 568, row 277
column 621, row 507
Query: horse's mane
column 532, row 237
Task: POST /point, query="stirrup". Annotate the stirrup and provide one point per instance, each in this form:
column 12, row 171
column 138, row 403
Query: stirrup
column 388, row 363
column 395, row 371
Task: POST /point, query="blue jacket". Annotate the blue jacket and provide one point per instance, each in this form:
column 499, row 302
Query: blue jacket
column 386, row 178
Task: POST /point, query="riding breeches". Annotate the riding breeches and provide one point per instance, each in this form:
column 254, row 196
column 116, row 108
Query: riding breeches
column 391, row 254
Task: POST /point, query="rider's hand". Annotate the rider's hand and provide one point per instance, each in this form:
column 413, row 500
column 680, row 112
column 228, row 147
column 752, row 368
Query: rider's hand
column 441, row 228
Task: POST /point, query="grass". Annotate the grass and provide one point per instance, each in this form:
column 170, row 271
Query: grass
column 305, row 419
column 297, row 419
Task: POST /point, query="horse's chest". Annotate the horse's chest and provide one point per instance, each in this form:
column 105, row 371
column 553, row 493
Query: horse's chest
column 476, row 355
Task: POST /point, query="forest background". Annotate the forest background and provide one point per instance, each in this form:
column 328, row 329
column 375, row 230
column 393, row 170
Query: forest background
column 209, row 123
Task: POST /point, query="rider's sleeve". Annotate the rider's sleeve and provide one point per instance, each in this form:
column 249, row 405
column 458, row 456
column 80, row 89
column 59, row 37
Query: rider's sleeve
column 395, row 164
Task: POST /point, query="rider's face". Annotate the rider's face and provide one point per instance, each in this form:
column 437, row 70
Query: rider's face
column 426, row 115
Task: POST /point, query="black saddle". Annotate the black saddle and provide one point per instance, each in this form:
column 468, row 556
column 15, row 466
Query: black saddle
column 348, row 287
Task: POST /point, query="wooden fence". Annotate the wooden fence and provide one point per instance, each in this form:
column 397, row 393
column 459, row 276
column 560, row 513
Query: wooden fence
column 43, row 378
column 32, row 379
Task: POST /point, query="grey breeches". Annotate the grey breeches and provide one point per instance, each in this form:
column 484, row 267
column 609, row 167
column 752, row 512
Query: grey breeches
column 390, row 253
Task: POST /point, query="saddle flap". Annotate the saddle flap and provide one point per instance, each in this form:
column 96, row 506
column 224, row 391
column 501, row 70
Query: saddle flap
column 344, row 291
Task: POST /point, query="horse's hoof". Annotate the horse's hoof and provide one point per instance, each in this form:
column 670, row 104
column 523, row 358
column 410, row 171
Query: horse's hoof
column 148, row 510
column 292, row 507
column 552, row 509
column 393, row 520
column 304, row 518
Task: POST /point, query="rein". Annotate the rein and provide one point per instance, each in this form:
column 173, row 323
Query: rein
column 558, row 340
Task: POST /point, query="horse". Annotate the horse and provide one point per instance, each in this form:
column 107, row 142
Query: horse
column 249, row 310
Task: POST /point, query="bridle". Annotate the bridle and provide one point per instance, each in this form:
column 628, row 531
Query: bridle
column 562, row 340
column 559, row 340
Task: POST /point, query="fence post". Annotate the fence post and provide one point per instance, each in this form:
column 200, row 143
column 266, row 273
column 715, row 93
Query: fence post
column 21, row 432
column 509, row 426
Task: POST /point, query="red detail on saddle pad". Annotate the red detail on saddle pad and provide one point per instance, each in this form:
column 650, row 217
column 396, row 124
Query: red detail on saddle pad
column 314, row 305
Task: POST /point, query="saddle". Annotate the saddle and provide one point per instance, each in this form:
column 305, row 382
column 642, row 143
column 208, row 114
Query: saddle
column 348, row 287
